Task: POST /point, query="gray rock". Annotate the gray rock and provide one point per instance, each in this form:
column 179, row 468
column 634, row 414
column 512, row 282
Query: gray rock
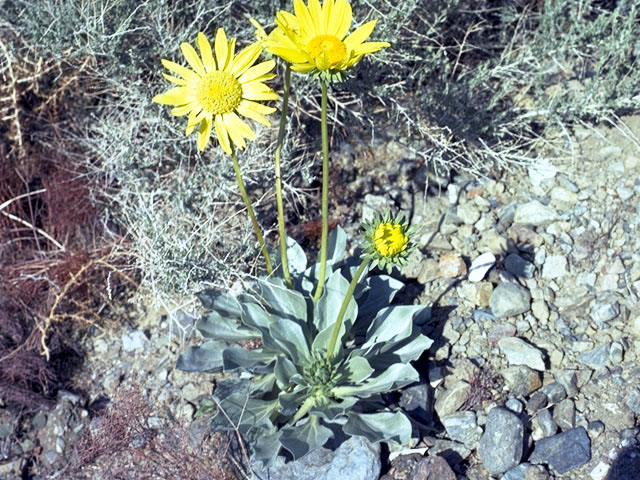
column 526, row 471
column 452, row 452
column 595, row 428
column 555, row 392
column 452, row 399
column 521, row 380
column 501, row 446
column 537, row 402
column 602, row 313
column 462, row 427
column 416, row 401
column 555, row 266
column 468, row 213
column 616, row 353
column 596, row 358
column 433, row 467
column 373, row 204
column 569, row 380
column 135, row 340
column 519, row 267
column 564, row 451
column 519, row 352
column 480, row 266
column 355, row 459
column 544, row 420
column 633, row 400
column 564, row 414
column 564, row 195
column 509, row 299
column 624, row 193
column 514, row 405
column 535, row 213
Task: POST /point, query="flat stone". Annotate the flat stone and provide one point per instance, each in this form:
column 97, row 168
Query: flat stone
column 541, row 172
column 480, row 266
column 433, row 467
column 501, row 446
column 564, row 195
column 500, row 331
column 600, row 471
column 519, row 267
column 451, row 266
column 462, row 427
column 452, row 399
column 632, row 400
column 468, row 213
column 616, row 353
column 554, row 391
column 555, row 266
column 521, row 380
column 569, row 380
column 526, row 471
column 540, row 310
column 135, row 340
column 509, row 299
column 564, row 414
column 355, row 459
column 519, row 352
column 416, row 401
column 601, row 313
column 564, row 451
column 534, row 213
column 543, row 425
column 596, row 358
column 537, row 402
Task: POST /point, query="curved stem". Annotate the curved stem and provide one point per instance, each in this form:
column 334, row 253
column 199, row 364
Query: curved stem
column 278, row 152
column 325, row 194
column 252, row 215
column 343, row 308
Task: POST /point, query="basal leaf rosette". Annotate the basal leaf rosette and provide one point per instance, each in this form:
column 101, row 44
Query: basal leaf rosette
column 220, row 89
column 315, row 38
column 388, row 241
column 290, row 398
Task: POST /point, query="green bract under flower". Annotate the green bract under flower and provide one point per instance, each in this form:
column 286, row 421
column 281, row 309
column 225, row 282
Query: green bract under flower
column 388, row 241
column 292, row 397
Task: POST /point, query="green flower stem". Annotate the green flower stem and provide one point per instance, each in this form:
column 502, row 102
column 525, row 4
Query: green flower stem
column 278, row 152
column 343, row 307
column 252, row 215
column 325, row 193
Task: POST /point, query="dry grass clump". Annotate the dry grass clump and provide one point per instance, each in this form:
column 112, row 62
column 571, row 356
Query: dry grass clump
column 122, row 444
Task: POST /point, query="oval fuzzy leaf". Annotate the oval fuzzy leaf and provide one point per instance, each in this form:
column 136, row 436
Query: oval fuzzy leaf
column 291, row 401
column 378, row 427
column 296, row 256
column 377, row 293
column 291, row 339
column 394, row 377
column 356, row 370
column 245, row 413
column 224, row 303
column 214, row 325
column 253, row 361
column 202, row 358
column 336, row 245
column 302, row 439
column 392, row 324
column 326, row 310
column 284, row 371
column 281, row 301
column 383, row 355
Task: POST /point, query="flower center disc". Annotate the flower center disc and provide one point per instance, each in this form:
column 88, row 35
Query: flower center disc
column 330, row 45
column 219, row 92
column 390, row 239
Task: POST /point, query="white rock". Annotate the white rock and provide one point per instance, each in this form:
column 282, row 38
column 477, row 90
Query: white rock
column 600, row 471
column 541, row 171
column 534, row 213
column 555, row 266
column 480, row 266
column 519, row 352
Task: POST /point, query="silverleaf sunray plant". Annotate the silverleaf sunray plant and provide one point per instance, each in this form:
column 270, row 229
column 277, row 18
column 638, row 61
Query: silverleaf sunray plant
column 330, row 343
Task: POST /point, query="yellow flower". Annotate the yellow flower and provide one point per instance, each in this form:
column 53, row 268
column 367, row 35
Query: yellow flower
column 314, row 38
column 215, row 91
column 389, row 239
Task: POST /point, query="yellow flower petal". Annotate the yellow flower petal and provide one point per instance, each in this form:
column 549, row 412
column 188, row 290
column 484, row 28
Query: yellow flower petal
column 173, row 96
column 184, row 72
column 258, row 91
column 327, row 12
column 245, row 59
column 223, row 135
column 205, row 52
column 315, row 11
column 234, row 133
column 307, row 28
column 346, row 20
column 360, row 34
column 245, row 130
column 192, row 57
column 182, row 110
column 222, row 49
column 204, row 132
column 370, row 47
column 176, row 80
column 254, row 111
column 257, row 70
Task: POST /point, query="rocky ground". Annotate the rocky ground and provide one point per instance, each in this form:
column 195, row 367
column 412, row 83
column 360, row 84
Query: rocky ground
column 534, row 280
